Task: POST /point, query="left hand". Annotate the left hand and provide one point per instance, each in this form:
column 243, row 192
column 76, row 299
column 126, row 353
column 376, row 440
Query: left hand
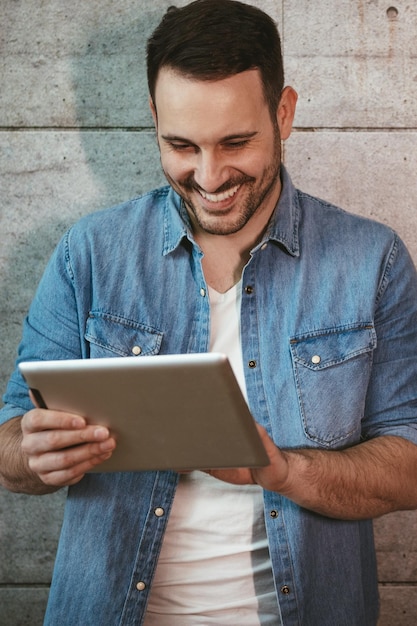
column 272, row 477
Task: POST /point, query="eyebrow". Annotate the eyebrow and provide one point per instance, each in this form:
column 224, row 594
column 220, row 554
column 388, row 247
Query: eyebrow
column 234, row 137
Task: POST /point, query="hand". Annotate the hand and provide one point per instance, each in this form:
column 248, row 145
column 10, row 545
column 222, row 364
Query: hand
column 272, row 477
column 61, row 447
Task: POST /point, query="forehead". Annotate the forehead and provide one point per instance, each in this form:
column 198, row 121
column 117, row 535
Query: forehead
column 183, row 102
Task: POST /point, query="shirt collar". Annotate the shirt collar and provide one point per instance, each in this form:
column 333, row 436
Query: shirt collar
column 284, row 222
column 176, row 222
column 282, row 228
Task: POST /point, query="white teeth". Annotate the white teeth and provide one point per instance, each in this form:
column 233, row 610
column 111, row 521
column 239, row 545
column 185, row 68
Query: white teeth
column 219, row 197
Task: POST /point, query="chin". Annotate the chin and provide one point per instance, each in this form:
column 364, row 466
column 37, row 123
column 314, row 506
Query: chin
column 220, row 226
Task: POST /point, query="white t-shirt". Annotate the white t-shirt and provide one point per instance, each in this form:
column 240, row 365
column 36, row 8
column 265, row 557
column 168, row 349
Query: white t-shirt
column 214, row 566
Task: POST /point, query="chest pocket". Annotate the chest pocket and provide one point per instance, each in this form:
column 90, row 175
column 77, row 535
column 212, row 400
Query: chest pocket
column 111, row 335
column 332, row 370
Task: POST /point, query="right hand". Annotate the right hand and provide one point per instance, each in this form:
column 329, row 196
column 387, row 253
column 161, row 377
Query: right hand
column 62, row 447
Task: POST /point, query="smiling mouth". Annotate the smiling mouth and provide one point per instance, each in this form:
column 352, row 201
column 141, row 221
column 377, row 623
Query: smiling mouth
column 220, row 197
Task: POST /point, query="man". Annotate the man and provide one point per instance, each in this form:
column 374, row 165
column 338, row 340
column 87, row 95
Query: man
column 317, row 310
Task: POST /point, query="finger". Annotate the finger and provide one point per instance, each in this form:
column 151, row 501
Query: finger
column 269, row 445
column 273, row 476
column 65, row 466
column 235, row 476
column 42, row 419
column 49, row 440
column 72, row 475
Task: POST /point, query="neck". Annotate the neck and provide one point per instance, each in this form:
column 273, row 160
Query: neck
column 225, row 256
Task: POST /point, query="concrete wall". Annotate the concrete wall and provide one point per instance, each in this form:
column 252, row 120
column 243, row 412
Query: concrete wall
column 76, row 135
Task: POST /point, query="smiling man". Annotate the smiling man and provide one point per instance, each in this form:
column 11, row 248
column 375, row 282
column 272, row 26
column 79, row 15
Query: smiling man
column 220, row 149
column 221, row 152
column 317, row 312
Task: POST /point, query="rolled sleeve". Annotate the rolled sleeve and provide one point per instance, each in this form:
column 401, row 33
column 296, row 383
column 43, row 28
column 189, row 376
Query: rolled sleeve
column 391, row 403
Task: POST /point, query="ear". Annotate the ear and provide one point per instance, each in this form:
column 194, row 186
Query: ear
column 153, row 111
column 286, row 111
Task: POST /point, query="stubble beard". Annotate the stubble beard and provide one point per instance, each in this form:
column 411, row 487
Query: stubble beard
column 257, row 196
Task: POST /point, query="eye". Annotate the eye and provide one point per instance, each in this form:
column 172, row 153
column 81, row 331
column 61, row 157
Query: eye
column 180, row 146
column 234, row 145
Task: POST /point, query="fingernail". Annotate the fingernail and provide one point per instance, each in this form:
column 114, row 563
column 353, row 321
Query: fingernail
column 107, row 445
column 101, row 433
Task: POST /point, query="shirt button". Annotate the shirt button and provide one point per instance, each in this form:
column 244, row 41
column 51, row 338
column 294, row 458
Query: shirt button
column 252, row 364
column 140, row 586
column 285, row 590
column 249, row 289
column 136, row 350
column 203, row 292
column 274, row 514
column 315, row 359
column 264, row 246
column 159, row 512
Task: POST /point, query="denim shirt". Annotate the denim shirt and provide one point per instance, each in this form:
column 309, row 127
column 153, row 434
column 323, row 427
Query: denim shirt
column 329, row 340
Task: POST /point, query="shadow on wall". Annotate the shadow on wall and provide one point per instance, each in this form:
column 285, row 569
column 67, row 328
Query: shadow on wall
column 111, row 94
column 57, row 177
column 111, row 157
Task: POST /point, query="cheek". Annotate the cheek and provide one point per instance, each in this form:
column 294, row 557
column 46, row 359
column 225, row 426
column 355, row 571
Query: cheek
column 175, row 167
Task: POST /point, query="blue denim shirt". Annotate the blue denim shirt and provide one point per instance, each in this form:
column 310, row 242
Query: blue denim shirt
column 329, row 339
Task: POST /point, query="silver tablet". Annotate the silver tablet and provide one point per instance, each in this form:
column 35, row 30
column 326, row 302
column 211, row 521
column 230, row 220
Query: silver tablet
column 167, row 412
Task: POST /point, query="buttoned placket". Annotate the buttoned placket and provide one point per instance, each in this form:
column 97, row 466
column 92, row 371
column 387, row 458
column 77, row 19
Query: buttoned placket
column 151, row 539
column 275, row 523
column 164, row 489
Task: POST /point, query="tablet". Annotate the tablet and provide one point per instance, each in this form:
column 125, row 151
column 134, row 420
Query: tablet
column 180, row 412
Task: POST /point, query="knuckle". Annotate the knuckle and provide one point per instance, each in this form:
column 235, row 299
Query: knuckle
column 64, row 459
column 53, row 479
column 25, row 445
column 32, row 463
column 53, row 439
column 30, row 420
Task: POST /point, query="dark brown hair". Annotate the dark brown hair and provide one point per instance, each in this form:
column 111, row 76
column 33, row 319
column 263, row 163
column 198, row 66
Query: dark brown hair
column 214, row 39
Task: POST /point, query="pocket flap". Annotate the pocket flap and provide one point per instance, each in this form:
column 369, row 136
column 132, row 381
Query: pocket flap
column 325, row 348
column 122, row 336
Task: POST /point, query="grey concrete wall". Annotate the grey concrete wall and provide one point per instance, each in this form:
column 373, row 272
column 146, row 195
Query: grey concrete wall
column 76, row 135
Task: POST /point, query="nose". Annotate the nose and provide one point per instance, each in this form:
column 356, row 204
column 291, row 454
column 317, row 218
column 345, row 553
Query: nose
column 210, row 171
